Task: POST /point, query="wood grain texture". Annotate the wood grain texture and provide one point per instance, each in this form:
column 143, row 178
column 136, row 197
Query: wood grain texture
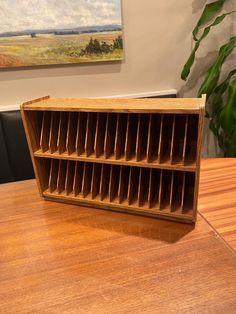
column 217, row 199
column 148, row 139
column 58, row 258
column 174, row 105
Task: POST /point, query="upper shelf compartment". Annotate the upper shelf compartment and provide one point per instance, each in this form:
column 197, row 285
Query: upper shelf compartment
column 157, row 138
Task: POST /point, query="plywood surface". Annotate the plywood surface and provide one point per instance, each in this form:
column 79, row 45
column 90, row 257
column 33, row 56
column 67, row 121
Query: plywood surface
column 218, row 196
column 58, row 258
column 117, row 105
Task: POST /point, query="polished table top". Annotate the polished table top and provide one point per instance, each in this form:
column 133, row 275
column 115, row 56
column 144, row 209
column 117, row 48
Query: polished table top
column 58, row 258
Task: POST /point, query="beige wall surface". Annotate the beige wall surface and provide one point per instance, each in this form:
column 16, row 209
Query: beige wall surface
column 157, row 40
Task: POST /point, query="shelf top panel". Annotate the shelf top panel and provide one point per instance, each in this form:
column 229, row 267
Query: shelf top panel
column 165, row 105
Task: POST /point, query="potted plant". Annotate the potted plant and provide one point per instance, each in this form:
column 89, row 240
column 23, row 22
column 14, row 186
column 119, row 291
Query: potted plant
column 221, row 93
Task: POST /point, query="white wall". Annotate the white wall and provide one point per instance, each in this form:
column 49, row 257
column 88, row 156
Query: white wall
column 157, row 37
column 157, row 41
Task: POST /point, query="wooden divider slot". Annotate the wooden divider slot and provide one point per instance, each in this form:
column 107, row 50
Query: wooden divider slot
column 100, row 134
column 54, row 126
column 105, row 179
column 61, row 179
column 172, row 190
column 160, row 139
column 53, row 175
column 43, row 166
column 45, row 130
column 71, row 132
column 87, row 179
column 192, row 138
column 70, row 172
column 153, row 137
column 114, row 183
column 81, row 133
column 154, row 189
column 120, row 135
column 133, row 186
column 123, row 184
column 34, row 120
column 109, row 145
column 62, row 133
column 166, row 138
column 142, row 137
column 131, row 136
column 165, row 189
column 143, row 187
column 185, row 138
column 179, row 138
column 96, row 179
column 172, row 139
column 90, row 133
column 189, row 192
column 176, row 197
column 78, row 178
column 183, row 192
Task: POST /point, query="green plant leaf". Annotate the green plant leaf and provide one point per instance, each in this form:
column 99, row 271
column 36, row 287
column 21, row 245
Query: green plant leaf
column 228, row 114
column 219, row 91
column 230, row 145
column 191, row 59
column 213, row 74
column 208, row 13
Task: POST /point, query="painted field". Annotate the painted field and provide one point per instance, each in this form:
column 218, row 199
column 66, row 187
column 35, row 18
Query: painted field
column 41, row 49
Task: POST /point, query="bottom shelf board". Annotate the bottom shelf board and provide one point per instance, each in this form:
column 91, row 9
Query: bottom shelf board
column 115, row 206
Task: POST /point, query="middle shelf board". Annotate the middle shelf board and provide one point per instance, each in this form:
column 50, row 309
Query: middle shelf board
column 112, row 161
column 169, row 140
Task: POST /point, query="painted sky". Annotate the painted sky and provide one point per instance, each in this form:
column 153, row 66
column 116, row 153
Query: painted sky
column 18, row 15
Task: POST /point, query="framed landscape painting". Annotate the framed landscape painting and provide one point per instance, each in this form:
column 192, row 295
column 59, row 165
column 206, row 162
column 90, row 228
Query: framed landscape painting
column 47, row 32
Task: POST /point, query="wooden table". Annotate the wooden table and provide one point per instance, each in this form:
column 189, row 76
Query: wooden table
column 57, row 258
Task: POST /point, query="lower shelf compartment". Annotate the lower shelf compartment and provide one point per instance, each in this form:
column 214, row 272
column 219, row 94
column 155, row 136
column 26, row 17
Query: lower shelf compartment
column 155, row 192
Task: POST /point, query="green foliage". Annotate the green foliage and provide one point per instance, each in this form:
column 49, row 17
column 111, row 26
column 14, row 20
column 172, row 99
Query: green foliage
column 96, row 47
column 221, row 96
column 208, row 13
column 189, row 63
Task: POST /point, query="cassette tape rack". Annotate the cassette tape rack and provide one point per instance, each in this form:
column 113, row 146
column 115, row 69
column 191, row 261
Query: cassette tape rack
column 133, row 155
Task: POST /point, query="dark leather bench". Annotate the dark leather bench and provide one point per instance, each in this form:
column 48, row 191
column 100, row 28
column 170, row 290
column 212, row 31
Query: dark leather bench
column 15, row 163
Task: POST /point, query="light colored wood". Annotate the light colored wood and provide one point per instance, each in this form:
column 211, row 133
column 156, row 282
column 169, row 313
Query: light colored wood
column 172, row 140
column 96, row 178
column 120, row 136
column 70, row 171
column 71, row 132
column 110, row 135
column 160, row 140
column 217, row 196
column 53, row 175
column 100, row 135
column 53, row 132
column 78, row 178
column 62, row 133
column 175, row 105
column 58, row 258
column 90, row 134
column 117, row 142
column 87, row 178
column 61, row 179
column 45, row 130
column 121, row 161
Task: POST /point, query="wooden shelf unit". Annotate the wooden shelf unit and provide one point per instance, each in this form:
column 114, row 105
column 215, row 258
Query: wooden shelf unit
column 140, row 156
